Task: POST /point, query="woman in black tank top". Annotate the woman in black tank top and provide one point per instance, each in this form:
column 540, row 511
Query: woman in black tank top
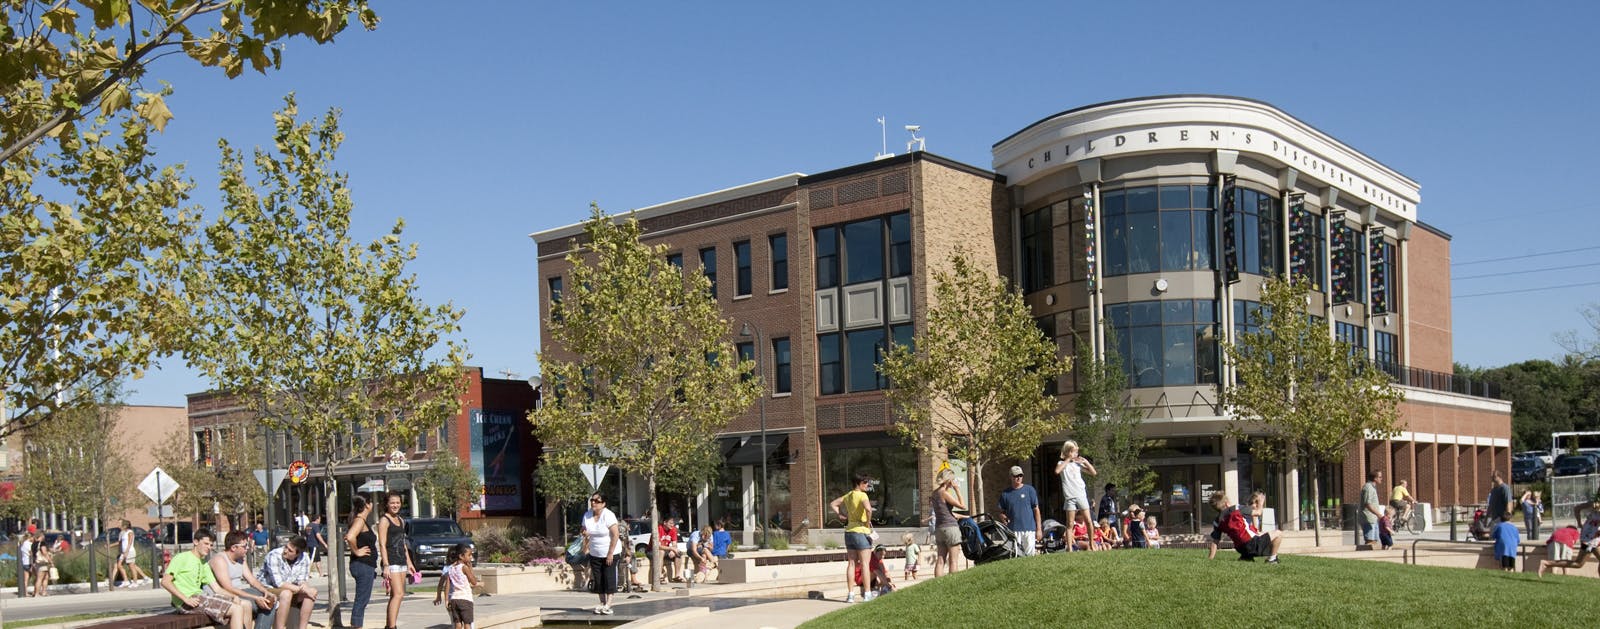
column 363, row 546
column 396, row 561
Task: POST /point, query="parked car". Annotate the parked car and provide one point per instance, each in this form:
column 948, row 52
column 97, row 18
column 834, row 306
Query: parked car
column 639, row 536
column 1542, row 455
column 1576, row 464
column 431, row 539
column 1527, row 469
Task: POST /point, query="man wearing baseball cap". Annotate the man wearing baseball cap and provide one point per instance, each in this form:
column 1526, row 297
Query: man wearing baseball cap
column 1019, row 509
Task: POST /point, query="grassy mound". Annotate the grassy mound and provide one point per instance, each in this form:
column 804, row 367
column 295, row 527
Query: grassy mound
column 1170, row 588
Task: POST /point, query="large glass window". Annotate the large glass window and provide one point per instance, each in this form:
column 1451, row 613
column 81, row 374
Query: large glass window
column 1353, row 335
column 1149, row 229
column 900, row 244
column 747, row 351
column 1386, row 351
column 781, row 365
column 1037, row 254
column 708, row 265
column 741, row 268
column 830, row 364
column 866, row 349
column 675, row 259
column 894, row 467
column 1167, row 343
column 1258, row 221
column 863, row 251
column 827, row 246
column 778, row 244
column 555, row 298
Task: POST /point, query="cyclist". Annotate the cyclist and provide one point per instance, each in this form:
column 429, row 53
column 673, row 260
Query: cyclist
column 1402, row 501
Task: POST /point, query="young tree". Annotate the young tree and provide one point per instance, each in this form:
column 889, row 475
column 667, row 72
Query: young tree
column 449, row 482
column 1308, row 394
column 973, row 383
column 90, row 224
column 1585, row 347
column 1106, row 425
column 639, row 360
column 318, row 334
column 561, row 481
column 72, row 464
column 65, row 60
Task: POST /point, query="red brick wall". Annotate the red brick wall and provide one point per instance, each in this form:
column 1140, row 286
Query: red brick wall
column 1428, row 309
column 1403, row 454
column 1449, row 474
column 1425, row 481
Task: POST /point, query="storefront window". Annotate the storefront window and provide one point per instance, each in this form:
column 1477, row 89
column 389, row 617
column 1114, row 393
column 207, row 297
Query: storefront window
column 893, row 465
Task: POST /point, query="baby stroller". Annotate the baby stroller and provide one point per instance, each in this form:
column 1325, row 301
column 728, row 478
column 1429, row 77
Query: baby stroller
column 1055, row 537
column 1482, row 528
column 984, row 540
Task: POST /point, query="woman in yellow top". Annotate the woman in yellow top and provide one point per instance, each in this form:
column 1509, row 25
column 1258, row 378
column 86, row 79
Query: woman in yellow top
column 857, row 513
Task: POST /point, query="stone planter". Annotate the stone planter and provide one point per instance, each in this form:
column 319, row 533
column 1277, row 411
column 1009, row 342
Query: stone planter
column 522, row 579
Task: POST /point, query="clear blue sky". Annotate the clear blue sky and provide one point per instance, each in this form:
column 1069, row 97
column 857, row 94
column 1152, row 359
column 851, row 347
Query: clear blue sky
column 486, row 121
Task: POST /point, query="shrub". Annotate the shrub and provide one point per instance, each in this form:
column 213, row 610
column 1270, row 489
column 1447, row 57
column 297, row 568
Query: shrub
column 497, row 544
column 536, row 547
column 831, row 544
column 779, row 542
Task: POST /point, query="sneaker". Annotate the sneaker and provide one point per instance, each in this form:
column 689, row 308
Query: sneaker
column 850, row 597
column 1273, row 559
column 869, row 596
column 599, row 609
column 606, row 610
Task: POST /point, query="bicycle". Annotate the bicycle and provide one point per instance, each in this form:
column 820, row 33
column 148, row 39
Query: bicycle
column 1405, row 518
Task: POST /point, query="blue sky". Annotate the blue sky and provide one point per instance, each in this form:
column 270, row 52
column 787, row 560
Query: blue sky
column 491, row 120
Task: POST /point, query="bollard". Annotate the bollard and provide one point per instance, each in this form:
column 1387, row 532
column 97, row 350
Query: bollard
column 1453, row 524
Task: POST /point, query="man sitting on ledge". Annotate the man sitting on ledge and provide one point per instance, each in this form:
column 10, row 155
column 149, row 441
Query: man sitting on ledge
column 186, row 577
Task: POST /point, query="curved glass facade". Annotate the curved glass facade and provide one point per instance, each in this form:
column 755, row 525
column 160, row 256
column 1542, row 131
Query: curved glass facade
column 1170, row 342
column 1159, row 228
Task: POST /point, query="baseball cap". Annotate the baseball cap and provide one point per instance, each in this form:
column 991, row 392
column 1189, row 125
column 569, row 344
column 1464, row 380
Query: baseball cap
column 1016, row 470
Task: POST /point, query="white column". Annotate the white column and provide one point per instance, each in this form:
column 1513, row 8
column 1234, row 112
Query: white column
column 1291, row 492
column 1230, row 470
column 747, row 502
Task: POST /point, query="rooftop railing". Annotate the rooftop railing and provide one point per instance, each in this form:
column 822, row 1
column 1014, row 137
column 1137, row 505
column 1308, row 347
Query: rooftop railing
column 1440, row 381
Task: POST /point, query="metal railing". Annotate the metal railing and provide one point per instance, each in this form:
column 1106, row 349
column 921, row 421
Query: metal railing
column 1440, row 381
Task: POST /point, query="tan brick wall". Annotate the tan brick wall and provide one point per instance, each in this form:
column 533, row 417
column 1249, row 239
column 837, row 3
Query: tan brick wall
column 1428, row 309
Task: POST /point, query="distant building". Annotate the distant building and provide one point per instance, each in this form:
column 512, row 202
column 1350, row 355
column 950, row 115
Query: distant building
column 490, row 433
column 830, row 268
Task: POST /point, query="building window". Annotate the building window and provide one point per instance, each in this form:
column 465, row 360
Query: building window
column 741, row 268
column 1257, row 225
column 747, row 351
column 1349, row 279
column 1386, row 352
column 708, row 265
column 781, row 365
column 778, row 244
column 1167, row 343
column 900, row 244
column 894, row 466
column 1037, row 258
column 1150, row 229
column 866, row 350
column 863, row 251
column 675, row 259
column 830, row 365
column 1353, row 335
column 827, row 247
column 555, row 298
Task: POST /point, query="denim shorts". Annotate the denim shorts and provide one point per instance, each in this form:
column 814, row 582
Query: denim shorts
column 857, row 541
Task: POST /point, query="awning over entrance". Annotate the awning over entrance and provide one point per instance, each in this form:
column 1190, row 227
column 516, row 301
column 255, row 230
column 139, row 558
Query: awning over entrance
column 752, row 452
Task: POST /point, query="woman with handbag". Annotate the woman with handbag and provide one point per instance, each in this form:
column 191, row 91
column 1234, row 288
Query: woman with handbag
column 42, row 565
column 394, row 557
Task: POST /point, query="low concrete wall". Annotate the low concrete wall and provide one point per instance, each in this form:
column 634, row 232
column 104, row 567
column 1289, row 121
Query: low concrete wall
column 523, row 579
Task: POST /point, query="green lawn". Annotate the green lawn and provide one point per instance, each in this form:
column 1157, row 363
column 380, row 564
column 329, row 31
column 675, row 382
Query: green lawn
column 1173, row 588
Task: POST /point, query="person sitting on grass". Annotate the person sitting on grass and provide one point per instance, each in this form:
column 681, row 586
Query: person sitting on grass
column 1506, row 539
column 1249, row 542
column 287, row 568
column 1106, row 535
column 1152, row 535
column 1080, row 537
column 186, row 577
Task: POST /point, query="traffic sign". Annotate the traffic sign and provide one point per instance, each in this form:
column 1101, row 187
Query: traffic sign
column 158, row 485
column 594, row 473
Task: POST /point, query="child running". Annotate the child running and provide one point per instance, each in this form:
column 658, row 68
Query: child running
column 459, row 580
column 913, row 555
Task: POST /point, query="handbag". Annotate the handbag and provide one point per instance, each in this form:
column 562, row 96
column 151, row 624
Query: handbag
column 575, row 554
column 55, row 574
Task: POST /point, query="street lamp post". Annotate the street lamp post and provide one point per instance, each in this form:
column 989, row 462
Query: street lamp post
column 744, row 331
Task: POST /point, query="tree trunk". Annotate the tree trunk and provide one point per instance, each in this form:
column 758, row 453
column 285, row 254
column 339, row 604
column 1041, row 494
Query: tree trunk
column 655, row 535
column 1316, row 499
column 336, row 594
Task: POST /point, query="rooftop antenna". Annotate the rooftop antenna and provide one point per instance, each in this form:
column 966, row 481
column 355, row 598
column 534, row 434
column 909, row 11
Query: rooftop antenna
column 884, row 131
column 921, row 144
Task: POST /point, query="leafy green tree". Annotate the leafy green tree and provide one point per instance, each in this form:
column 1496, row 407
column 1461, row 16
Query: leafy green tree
column 318, row 334
column 640, row 360
column 72, row 463
column 221, row 479
column 561, row 481
column 65, row 60
column 1586, row 347
column 86, row 294
column 449, row 482
column 973, row 383
column 1105, row 424
column 90, row 224
column 1307, row 393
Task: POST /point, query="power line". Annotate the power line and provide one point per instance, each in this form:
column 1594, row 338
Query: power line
column 1526, row 290
column 1531, row 255
column 1548, row 268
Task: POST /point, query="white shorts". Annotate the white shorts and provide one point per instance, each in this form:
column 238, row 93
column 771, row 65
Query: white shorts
column 1026, row 543
column 394, row 569
column 1077, row 503
column 1559, row 551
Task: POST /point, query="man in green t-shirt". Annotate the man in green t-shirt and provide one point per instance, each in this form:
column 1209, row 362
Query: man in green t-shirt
column 188, row 573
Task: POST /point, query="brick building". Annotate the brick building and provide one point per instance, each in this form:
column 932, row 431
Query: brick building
column 827, row 269
column 490, row 433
